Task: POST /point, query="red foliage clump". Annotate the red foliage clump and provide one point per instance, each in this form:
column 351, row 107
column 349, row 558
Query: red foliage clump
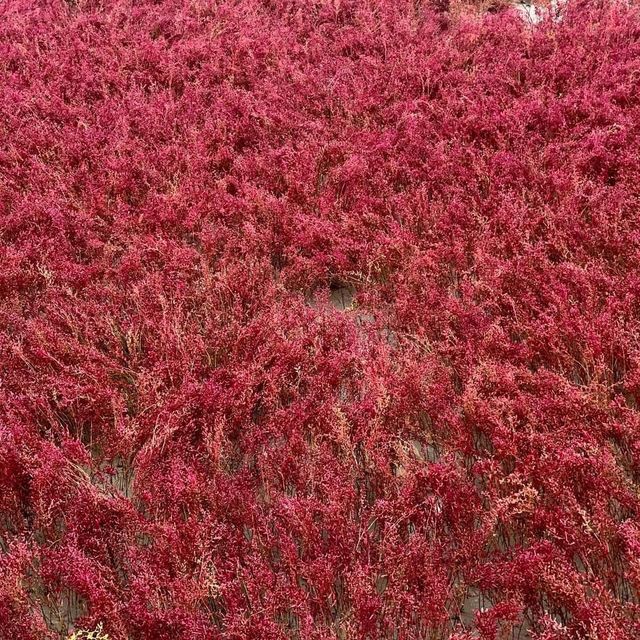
column 319, row 320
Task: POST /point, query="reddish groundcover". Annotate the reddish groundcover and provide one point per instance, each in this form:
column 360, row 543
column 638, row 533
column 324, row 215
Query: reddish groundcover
column 319, row 319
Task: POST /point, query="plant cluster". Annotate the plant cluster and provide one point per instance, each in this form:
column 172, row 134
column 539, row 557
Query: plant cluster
column 319, row 319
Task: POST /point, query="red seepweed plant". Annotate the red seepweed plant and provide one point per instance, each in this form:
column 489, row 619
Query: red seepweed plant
column 319, row 320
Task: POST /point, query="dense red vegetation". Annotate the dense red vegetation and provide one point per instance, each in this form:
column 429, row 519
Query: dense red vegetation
column 197, row 441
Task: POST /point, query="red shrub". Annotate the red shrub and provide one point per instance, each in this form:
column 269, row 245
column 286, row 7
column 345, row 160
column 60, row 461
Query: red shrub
column 319, row 320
